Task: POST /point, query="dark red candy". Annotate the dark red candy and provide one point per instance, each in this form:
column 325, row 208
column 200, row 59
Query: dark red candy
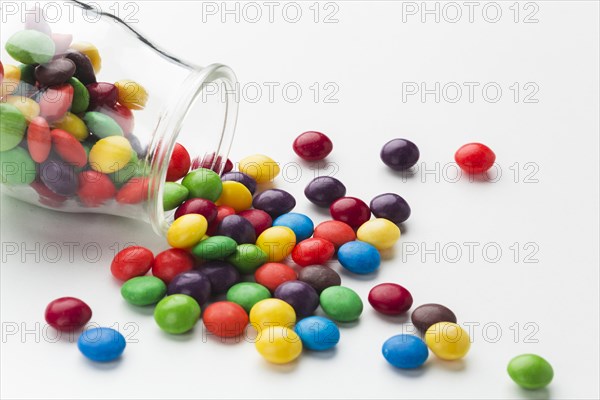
column 222, row 212
column 56, row 101
column 179, row 165
column 428, row 314
column 350, row 210
column 312, row 146
column 170, row 263
column 102, row 94
column 209, row 162
column 259, row 219
column 95, row 188
column 68, row 314
column 319, row 277
column 475, row 158
column 131, row 262
column 39, row 142
column 198, row 206
column 324, row 190
column 400, row 154
column 55, row 72
column 84, row 71
column 390, row 299
column 68, row 148
column 313, row 251
column 133, row 192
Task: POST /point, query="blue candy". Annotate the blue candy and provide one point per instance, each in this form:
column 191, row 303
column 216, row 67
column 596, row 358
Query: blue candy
column 302, row 226
column 101, row 344
column 318, row 333
column 359, row 257
column 405, row 351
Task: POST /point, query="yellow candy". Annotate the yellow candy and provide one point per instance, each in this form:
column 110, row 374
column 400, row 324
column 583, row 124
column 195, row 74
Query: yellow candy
column 279, row 345
column 277, row 241
column 110, row 154
column 8, row 86
column 29, row 108
column 131, row 94
column 187, row 231
column 236, row 196
column 272, row 312
column 12, row 72
column 91, row 52
column 74, row 125
column 379, row 232
column 259, row 167
column 447, row 340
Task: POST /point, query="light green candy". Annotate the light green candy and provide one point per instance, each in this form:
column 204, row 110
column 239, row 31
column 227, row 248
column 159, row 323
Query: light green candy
column 215, row 248
column 102, row 125
column 530, row 371
column 12, row 126
column 247, row 294
column 16, row 167
column 143, row 290
column 81, row 96
column 173, row 195
column 203, row 183
column 30, row 47
column 247, row 258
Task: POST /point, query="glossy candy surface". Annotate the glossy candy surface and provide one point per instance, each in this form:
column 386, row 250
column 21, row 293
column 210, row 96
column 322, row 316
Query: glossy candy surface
column 221, row 275
column 237, row 228
column 272, row 312
column 324, row 190
column 131, row 262
column 177, row 313
column 319, row 277
column 235, row 195
column 39, row 141
column 247, row 294
column 300, row 295
column 379, row 232
column 131, row 94
column 359, row 257
column 271, row 275
column 390, row 299
column 313, row 251
column 341, row 304
column 68, row 148
column 30, row 47
column 203, row 183
column 405, row 351
column 447, row 340
column 173, row 195
column 400, row 154
column 274, row 202
column 102, row 94
column 215, row 248
column 222, row 213
column 278, row 242
column 426, row 315
column 225, row 319
column 336, row 232
column 301, row 224
column 187, row 231
column 56, row 101
column 55, row 72
column 351, row 211
column 530, row 371
column 475, row 158
column 192, row 283
column 281, row 346
column 259, row 167
column 179, row 165
column 67, row 314
column 171, row 263
column 312, row 146
column 391, row 207
column 143, row 290
column 198, row 206
column 102, row 125
column 101, row 344
column 247, row 258
column 317, row 333
column 259, row 219
column 110, row 154
column 95, row 188
column 244, row 179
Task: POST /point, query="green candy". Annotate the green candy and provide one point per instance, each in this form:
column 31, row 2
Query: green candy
column 30, row 47
column 27, row 74
column 530, row 371
column 247, row 294
column 143, row 290
column 132, row 169
column 203, row 183
column 12, row 126
column 173, row 195
column 81, row 96
column 16, row 167
column 102, row 125
column 340, row 303
column 177, row 313
column 247, row 258
column 215, row 248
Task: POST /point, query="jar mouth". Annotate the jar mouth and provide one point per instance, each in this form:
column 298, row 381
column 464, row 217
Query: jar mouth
column 170, row 124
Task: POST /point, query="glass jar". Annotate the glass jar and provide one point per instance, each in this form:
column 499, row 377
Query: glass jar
column 137, row 91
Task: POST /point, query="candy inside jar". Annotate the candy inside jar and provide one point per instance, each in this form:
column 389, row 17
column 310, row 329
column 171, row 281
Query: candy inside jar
column 91, row 115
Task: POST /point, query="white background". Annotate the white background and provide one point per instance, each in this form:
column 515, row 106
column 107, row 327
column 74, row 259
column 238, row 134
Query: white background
column 367, row 54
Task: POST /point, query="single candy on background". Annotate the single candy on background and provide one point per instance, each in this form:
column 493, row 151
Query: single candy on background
column 351, row 211
column 341, row 304
column 390, row 299
column 405, row 351
column 177, row 314
column 318, row 333
column 426, row 315
column 67, row 314
column 530, row 371
column 143, row 290
column 475, row 158
column 312, row 146
column 400, row 154
column 101, row 344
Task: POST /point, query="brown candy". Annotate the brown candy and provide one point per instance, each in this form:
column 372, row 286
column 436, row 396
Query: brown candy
column 428, row 314
column 83, row 67
column 55, row 72
column 319, row 277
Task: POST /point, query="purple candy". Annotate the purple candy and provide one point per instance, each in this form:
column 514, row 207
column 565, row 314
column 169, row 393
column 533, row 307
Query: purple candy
column 274, row 202
column 400, row 154
column 324, row 190
column 238, row 228
column 193, row 283
column 300, row 295
column 390, row 206
column 59, row 177
column 221, row 274
column 241, row 178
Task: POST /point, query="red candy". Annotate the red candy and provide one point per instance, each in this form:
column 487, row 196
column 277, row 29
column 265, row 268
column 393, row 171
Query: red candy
column 56, row 101
column 68, row 148
column 47, row 195
column 131, row 262
column 67, row 314
column 259, row 219
column 95, row 188
column 198, row 206
column 336, row 232
column 225, row 319
column 312, row 146
column 133, row 192
column 222, row 212
column 313, row 251
column 1, row 72
column 209, row 162
column 172, row 262
column 39, row 141
column 350, row 210
column 102, row 94
column 179, row 165
column 271, row 275
column 390, row 299
column 475, row 158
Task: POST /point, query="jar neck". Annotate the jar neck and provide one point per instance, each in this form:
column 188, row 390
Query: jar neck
column 170, row 123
